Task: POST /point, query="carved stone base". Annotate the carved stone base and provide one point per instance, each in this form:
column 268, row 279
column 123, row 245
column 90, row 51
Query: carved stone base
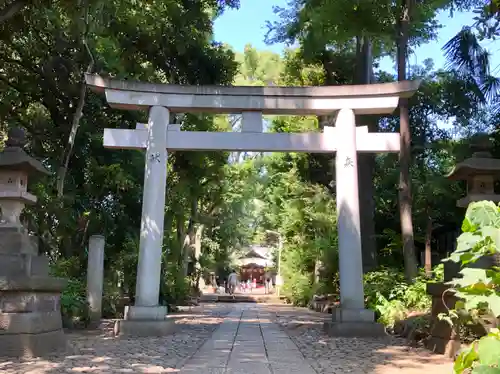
column 129, row 327
column 354, row 323
column 354, row 329
column 30, row 316
column 32, row 345
column 444, row 338
column 144, row 321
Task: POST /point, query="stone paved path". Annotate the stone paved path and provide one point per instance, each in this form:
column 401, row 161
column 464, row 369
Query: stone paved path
column 235, row 338
column 247, row 342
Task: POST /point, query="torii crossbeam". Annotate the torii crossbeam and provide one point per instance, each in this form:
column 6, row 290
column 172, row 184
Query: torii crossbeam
column 157, row 137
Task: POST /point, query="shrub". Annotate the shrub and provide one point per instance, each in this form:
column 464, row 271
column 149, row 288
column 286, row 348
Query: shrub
column 112, row 300
column 299, row 290
column 391, row 297
column 479, row 289
column 74, row 306
column 175, row 288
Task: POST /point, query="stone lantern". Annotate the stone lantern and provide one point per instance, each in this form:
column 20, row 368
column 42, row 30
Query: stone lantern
column 30, row 316
column 480, row 171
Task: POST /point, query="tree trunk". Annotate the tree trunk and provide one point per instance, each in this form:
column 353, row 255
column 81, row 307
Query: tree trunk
column 405, row 198
column 200, row 281
column 318, row 265
column 179, row 224
column 189, row 238
column 428, row 249
column 68, row 150
column 366, row 162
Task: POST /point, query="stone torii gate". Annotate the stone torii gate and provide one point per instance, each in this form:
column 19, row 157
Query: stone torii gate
column 146, row 317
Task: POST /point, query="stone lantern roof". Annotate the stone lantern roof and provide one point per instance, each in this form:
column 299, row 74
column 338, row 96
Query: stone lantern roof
column 15, row 158
column 481, row 162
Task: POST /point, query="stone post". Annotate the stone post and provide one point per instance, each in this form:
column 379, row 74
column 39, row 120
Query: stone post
column 348, row 220
column 147, row 317
column 153, row 210
column 95, row 276
column 351, row 319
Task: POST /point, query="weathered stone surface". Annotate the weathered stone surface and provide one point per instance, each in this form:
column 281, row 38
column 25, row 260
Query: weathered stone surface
column 145, row 313
column 14, row 240
column 32, row 345
column 29, row 323
column 29, row 302
column 30, row 316
column 354, row 329
column 144, row 328
column 12, row 265
column 38, row 284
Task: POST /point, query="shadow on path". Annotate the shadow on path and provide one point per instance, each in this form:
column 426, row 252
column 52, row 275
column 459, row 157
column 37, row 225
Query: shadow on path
column 328, row 354
column 98, row 351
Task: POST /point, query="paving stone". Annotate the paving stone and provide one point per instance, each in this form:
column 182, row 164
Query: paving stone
column 214, row 361
column 257, row 359
column 199, row 370
column 248, row 368
column 291, row 368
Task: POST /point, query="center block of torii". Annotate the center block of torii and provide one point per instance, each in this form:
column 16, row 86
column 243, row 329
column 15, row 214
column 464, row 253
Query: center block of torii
column 158, row 137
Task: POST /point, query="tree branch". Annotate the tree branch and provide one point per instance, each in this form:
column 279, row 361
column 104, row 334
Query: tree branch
column 11, row 10
column 61, row 175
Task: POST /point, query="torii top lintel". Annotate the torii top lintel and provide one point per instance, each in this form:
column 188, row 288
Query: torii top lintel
column 379, row 98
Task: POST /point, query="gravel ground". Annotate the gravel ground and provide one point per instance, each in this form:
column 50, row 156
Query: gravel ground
column 100, row 352
column 329, row 355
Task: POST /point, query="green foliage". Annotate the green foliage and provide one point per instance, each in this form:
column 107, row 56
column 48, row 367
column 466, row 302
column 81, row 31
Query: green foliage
column 112, row 300
column 390, row 311
column 388, row 293
column 175, row 288
column 305, row 215
column 74, row 306
column 481, row 357
column 479, row 289
column 40, row 87
column 298, row 288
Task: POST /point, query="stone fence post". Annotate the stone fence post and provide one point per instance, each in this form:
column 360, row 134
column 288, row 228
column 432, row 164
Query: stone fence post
column 95, row 276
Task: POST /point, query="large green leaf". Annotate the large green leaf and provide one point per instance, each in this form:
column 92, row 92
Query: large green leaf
column 494, row 304
column 471, row 276
column 465, row 359
column 494, row 234
column 481, row 369
column 465, row 242
column 488, row 350
column 467, row 226
column 483, row 213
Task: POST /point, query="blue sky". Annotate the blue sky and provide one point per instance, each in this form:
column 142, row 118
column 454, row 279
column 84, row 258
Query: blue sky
column 247, row 25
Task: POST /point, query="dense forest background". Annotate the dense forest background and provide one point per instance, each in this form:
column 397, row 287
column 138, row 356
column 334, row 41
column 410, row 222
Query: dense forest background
column 219, row 203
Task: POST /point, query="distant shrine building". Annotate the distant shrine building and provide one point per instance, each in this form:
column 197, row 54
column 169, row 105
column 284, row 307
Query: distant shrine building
column 254, row 263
